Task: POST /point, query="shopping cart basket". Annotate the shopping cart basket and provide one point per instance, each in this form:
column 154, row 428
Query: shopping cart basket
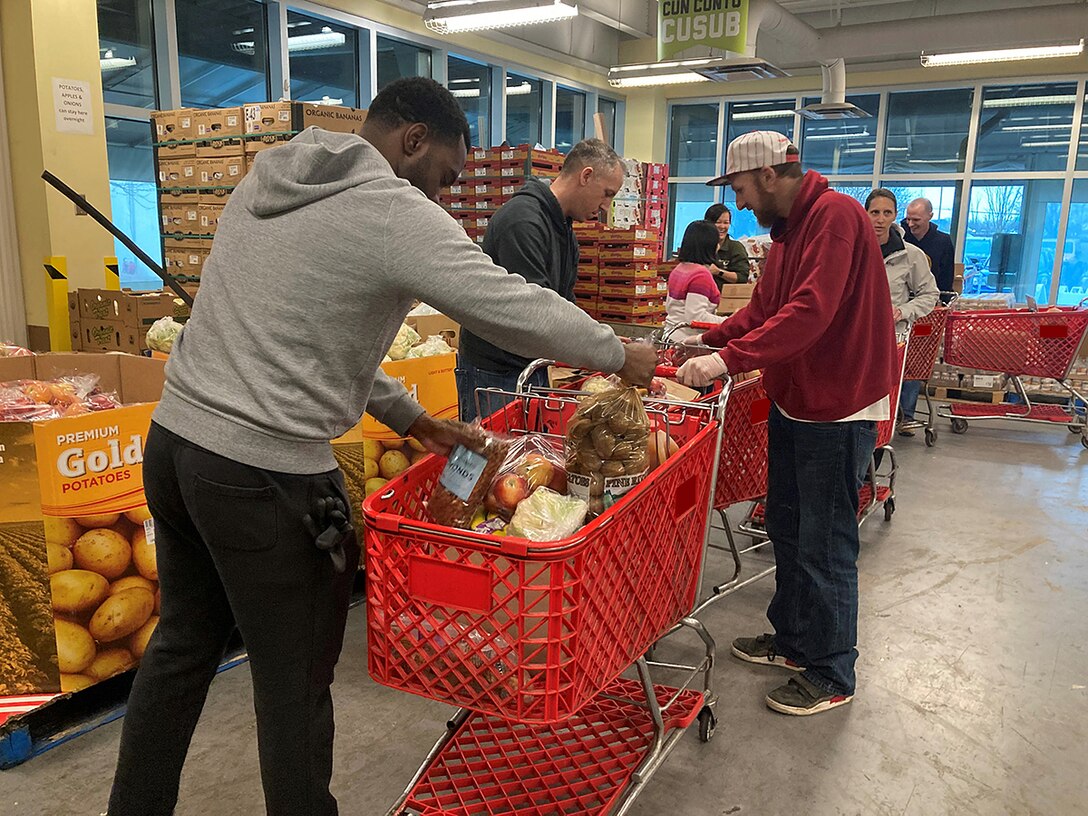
column 530, row 639
column 925, row 347
column 1019, row 343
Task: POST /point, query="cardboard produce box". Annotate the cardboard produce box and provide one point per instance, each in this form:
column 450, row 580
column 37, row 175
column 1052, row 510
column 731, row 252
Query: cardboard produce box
column 436, row 325
column 78, row 579
column 130, row 308
column 371, row 453
column 268, row 124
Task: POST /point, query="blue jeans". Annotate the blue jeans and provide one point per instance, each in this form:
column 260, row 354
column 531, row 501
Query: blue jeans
column 814, row 473
column 469, row 378
column 908, row 397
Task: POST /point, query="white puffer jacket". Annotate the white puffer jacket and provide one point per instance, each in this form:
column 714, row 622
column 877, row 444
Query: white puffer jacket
column 913, row 287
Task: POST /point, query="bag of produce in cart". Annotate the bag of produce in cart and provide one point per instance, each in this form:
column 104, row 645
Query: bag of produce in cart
column 532, row 461
column 548, row 516
column 465, row 480
column 606, row 447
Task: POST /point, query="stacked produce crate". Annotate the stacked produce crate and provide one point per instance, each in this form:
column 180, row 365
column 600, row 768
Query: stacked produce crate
column 202, row 155
column 643, row 199
column 618, row 278
column 490, row 178
column 108, row 320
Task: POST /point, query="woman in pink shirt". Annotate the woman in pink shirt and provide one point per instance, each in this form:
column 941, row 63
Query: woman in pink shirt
column 693, row 294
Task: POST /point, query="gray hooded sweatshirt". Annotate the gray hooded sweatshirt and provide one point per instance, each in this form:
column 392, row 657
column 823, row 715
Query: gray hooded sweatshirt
column 317, row 259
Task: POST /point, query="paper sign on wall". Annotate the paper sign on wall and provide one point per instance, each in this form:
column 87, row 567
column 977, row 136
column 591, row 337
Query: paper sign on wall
column 72, row 104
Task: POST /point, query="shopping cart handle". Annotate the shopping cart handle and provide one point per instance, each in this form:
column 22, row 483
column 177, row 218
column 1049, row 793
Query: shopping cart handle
column 666, row 371
column 703, row 326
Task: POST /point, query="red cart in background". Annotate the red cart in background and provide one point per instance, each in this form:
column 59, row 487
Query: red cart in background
column 531, row 638
column 926, row 336
column 1019, row 343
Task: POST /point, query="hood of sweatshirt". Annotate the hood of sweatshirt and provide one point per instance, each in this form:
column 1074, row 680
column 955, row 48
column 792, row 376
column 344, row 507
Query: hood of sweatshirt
column 812, row 187
column 542, row 191
column 314, row 165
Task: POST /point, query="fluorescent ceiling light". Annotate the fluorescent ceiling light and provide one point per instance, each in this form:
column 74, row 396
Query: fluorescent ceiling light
column 1012, row 128
column 326, row 38
column 679, row 78
column 747, row 116
column 455, row 16
column 109, row 62
column 1045, row 144
column 519, row 90
column 854, row 135
column 1003, row 55
column 681, row 72
column 1030, row 101
column 326, row 100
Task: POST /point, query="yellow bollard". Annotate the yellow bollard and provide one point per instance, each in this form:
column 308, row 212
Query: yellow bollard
column 56, row 299
column 112, row 272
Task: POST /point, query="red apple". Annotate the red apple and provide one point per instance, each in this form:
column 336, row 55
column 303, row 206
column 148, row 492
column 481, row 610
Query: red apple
column 508, row 490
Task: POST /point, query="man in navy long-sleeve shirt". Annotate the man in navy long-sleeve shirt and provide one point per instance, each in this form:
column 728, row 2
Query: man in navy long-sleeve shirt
column 934, row 243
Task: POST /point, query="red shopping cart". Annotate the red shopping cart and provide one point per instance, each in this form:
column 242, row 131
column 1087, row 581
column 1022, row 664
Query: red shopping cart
column 531, row 639
column 1019, row 343
column 925, row 347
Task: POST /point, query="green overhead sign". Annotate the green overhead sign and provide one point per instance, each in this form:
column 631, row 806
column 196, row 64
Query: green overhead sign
column 684, row 24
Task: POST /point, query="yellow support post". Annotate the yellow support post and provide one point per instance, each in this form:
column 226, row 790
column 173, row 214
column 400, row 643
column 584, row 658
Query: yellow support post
column 113, row 273
column 56, row 299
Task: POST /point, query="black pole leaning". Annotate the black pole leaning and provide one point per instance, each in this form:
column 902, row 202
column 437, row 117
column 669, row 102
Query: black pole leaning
column 108, row 225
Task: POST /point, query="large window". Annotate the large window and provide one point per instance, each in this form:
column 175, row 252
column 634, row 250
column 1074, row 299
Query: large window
column 470, row 84
column 1073, row 284
column 524, row 105
column 842, row 146
column 125, row 52
column 133, row 199
column 693, row 140
column 687, row 203
column 1082, row 152
column 1012, row 230
column 397, row 59
column 943, row 195
column 1025, row 127
column 222, row 52
column 772, row 114
column 927, row 131
column 570, row 118
column 324, row 60
column 607, row 109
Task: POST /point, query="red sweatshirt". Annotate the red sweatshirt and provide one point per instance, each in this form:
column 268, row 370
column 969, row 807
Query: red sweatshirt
column 820, row 321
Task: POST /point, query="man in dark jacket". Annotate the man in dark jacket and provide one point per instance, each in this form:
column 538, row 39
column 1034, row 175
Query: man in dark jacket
column 820, row 327
column 532, row 236
column 937, row 245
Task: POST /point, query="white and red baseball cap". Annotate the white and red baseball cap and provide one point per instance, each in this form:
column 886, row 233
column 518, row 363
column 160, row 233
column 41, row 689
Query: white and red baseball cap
column 755, row 150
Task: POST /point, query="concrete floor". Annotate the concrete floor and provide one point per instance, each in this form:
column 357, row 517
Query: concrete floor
column 971, row 698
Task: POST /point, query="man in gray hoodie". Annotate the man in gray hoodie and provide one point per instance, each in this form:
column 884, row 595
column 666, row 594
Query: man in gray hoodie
column 319, row 255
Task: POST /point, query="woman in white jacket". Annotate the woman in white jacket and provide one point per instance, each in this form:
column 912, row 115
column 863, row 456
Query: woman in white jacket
column 693, row 293
column 913, row 288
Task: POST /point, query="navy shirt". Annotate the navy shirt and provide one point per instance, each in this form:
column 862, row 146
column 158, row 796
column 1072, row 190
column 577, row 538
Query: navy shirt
column 942, row 254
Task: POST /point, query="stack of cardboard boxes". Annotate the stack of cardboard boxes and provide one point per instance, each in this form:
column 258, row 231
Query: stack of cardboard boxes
column 108, row 320
column 735, row 296
column 490, row 178
column 643, row 199
column 618, row 280
column 202, row 155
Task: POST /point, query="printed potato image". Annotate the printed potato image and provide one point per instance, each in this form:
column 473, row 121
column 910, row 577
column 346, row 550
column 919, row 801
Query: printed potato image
column 75, row 647
column 370, row 469
column 76, row 591
column 63, row 531
column 75, row 682
column 138, row 641
column 103, row 520
column 130, row 581
column 372, row 449
column 375, row 484
column 416, row 445
column 58, row 556
column 103, row 551
column 109, row 662
column 122, row 614
column 392, row 464
column 143, row 556
column 392, row 444
column 139, row 515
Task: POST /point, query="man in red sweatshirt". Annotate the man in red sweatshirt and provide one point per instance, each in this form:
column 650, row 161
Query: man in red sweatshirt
column 820, row 327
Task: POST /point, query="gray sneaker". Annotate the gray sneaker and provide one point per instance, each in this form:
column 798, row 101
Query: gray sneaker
column 761, row 650
column 800, row 698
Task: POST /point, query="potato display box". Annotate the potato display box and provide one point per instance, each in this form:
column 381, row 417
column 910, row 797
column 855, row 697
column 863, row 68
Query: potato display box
column 78, row 584
column 370, row 453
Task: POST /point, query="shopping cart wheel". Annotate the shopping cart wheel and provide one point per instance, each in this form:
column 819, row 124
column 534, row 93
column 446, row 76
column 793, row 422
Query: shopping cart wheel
column 889, row 508
column 707, row 723
column 1074, row 428
column 1084, row 441
column 959, row 426
column 931, row 437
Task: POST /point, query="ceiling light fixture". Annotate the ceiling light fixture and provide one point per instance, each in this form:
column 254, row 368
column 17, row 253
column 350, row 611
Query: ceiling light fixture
column 1003, row 55
column 1011, row 128
column 748, row 116
column 853, row 135
column 1045, row 144
column 681, row 72
column 455, row 16
column 1030, row 101
column 109, row 62
column 326, row 38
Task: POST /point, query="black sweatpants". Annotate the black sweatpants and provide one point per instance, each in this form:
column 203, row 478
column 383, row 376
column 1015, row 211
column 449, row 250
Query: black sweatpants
column 232, row 551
